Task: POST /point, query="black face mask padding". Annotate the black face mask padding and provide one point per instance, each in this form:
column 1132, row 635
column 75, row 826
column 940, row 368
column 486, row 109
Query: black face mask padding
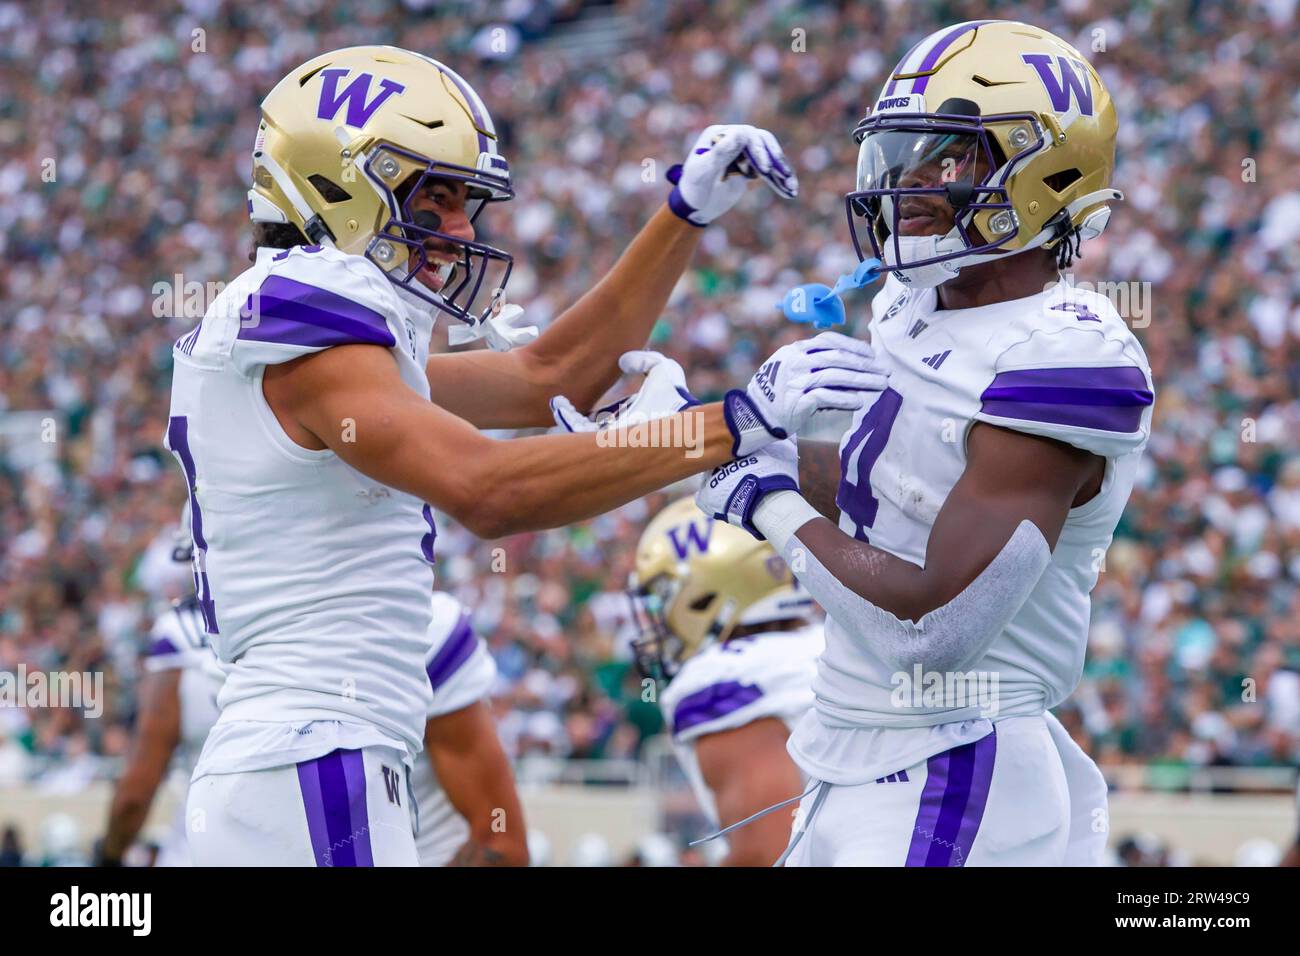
column 959, row 194
column 427, row 220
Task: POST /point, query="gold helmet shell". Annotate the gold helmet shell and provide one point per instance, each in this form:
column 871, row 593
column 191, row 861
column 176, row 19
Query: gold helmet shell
column 1027, row 133
column 697, row 579
column 348, row 137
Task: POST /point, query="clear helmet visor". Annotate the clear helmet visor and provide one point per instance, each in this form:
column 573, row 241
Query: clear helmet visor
column 922, row 162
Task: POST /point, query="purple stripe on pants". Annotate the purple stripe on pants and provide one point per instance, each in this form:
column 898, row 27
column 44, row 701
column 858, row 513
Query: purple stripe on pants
column 927, row 814
column 986, row 749
column 952, row 804
column 334, row 796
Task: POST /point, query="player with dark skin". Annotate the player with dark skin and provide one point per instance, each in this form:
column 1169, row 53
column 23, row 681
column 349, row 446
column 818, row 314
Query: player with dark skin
column 1010, row 476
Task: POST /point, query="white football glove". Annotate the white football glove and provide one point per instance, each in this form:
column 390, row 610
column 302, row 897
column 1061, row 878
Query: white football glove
column 732, row 491
column 828, row 371
column 498, row 328
column 663, row 393
column 714, row 175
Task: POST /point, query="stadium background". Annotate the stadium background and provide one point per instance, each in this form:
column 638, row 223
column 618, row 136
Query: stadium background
column 126, row 136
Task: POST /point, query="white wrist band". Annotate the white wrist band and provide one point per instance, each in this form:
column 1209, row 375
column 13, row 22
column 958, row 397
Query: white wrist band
column 780, row 514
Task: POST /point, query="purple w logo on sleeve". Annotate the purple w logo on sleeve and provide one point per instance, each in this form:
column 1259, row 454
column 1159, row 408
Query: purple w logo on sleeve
column 1071, row 84
column 355, row 96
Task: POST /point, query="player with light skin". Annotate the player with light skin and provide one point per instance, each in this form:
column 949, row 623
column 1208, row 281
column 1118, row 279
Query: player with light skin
column 971, row 499
column 317, row 434
column 726, row 629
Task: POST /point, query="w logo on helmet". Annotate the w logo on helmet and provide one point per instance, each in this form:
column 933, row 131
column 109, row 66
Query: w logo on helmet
column 684, row 536
column 355, row 96
column 1066, row 84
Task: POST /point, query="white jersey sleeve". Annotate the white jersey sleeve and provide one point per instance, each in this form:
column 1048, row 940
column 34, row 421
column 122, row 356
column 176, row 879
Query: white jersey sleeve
column 729, row 685
column 460, row 669
column 313, row 298
column 1073, row 372
column 177, row 640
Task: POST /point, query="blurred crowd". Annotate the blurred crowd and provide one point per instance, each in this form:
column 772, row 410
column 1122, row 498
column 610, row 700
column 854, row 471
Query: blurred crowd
column 125, row 140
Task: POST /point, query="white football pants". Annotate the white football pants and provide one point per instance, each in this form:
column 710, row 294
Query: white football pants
column 347, row 808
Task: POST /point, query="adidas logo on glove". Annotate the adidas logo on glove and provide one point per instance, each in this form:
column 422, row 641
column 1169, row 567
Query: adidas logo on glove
column 722, row 472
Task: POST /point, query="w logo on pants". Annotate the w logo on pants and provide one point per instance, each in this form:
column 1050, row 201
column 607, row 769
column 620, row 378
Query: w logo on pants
column 393, row 784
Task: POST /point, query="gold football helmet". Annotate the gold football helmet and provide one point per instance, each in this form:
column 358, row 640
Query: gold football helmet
column 348, row 138
column 697, row 580
column 1004, row 123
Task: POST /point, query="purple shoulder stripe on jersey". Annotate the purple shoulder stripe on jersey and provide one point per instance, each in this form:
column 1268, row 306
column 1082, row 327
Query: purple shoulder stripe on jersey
column 952, row 804
column 289, row 312
column 334, row 797
column 455, row 651
column 1107, row 399
column 711, row 703
column 162, row 646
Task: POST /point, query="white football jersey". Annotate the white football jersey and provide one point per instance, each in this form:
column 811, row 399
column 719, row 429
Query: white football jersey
column 460, row 672
column 313, row 579
column 178, row 642
column 729, row 685
column 1061, row 364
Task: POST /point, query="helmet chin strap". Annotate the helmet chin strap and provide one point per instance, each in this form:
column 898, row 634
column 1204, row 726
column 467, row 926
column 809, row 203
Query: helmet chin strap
column 936, row 273
column 313, row 226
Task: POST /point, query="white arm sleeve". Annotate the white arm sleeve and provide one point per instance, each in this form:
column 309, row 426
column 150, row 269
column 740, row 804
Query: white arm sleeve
column 949, row 637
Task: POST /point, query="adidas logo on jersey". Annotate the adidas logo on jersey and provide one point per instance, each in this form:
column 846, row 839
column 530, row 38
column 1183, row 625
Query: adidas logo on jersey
column 934, row 361
column 900, row 777
column 919, row 326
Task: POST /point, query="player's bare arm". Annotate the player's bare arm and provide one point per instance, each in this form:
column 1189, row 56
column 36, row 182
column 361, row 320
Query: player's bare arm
column 578, row 355
column 158, row 731
column 499, row 488
column 1010, row 477
column 493, row 487
column 819, row 475
column 467, row 759
column 748, row 770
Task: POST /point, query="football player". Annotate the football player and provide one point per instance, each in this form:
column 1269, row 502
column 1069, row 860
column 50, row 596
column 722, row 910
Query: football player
column 470, row 813
column 316, row 433
column 978, row 493
column 725, row 624
column 176, row 707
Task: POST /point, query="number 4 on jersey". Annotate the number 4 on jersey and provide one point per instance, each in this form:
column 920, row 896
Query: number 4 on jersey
column 858, row 457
